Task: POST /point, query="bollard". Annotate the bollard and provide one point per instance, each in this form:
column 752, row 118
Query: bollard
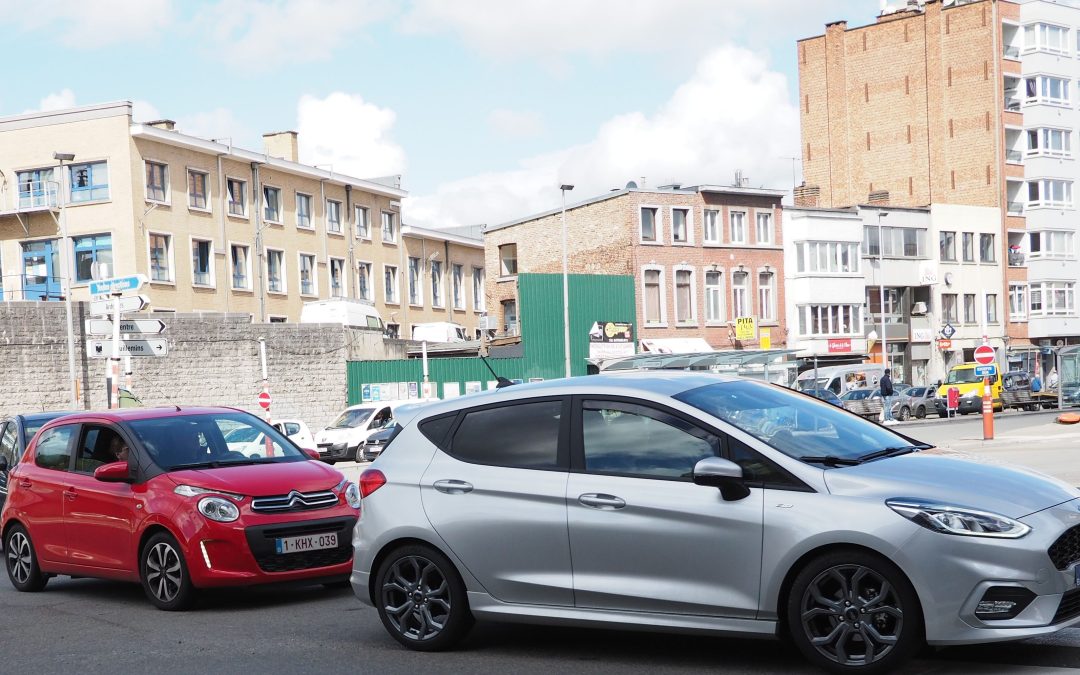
column 987, row 411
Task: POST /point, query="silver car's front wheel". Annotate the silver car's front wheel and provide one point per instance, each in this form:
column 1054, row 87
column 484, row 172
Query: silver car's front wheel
column 421, row 599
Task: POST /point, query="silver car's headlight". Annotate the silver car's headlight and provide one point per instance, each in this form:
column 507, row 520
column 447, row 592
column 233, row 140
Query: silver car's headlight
column 949, row 519
column 219, row 509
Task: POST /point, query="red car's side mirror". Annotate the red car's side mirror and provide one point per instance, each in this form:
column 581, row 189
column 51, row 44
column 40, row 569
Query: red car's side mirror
column 113, row 472
column 314, row 454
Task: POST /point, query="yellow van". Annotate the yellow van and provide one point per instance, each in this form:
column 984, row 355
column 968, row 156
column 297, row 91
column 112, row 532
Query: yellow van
column 963, row 377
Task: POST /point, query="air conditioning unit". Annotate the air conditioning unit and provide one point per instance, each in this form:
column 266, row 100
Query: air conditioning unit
column 918, row 309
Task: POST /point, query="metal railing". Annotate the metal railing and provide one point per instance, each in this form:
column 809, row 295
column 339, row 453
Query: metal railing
column 1014, row 156
column 13, row 288
column 1012, row 104
column 1011, row 52
column 33, row 195
column 1015, row 208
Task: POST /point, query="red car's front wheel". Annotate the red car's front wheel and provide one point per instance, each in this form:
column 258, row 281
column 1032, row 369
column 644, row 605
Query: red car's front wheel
column 164, row 574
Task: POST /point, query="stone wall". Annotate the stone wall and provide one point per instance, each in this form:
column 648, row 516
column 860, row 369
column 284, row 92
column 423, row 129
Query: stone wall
column 212, row 360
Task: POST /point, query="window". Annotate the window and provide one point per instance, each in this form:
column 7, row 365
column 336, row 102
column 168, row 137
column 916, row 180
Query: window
column 90, row 250
column 948, row 307
column 54, row 448
column 714, row 297
column 764, row 228
column 684, row 296
column 89, row 182
column 197, row 189
column 202, row 261
column 829, row 320
column 827, row 257
column 991, row 308
column 160, row 257
column 436, row 284
column 96, row 449
column 508, row 260
column 1018, row 302
column 654, row 296
column 363, row 223
column 337, row 277
column 766, row 297
column 333, row 216
column 948, row 246
column 510, row 317
column 457, row 275
column 628, row 439
column 303, row 210
column 712, row 226
column 648, row 224
column 1049, row 142
column 237, row 197
column 1046, row 38
column 1053, row 298
column 363, row 280
column 275, row 271
column 36, row 188
column 272, row 207
column 986, row 248
column 969, row 308
column 1046, row 89
column 157, row 182
column 680, row 228
column 1050, row 192
column 1051, row 244
column 738, row 227
column 481, row 436
column 390, row 284
column 969, row 247
column 241, row 266
column 739, row 301
column 895, row 242
column 479, row 299
column 307, row 274
column 388, row 233
column 414, row 281
column 8, row 444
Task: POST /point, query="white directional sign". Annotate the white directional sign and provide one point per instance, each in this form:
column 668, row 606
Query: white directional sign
column 144, row 326
column 117, row 284
column 131, row 303
column 102, row 349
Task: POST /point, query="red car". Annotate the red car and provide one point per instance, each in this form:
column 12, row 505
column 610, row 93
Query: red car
column 165, row 498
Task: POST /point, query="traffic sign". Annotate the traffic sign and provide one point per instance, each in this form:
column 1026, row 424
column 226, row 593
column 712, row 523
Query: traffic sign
column 117, row 284
column 944, row 344
column 131, row 303
column 948, row 331
column 103, row 349
column 144, row 326
column 986, row 371
column 264, row 400
column 984, row 355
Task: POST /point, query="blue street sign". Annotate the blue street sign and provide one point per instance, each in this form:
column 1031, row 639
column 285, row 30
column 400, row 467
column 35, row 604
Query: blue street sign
column 117, row 284
column 985, row 371
column 948, row 331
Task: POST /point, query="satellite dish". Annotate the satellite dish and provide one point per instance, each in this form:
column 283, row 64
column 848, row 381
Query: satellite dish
column 631, row 185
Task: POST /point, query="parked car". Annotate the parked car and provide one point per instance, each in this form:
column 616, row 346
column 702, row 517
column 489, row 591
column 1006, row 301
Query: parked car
column 1016, row 391
column 343, row 439
column 825, row 395
column 857, row 543
column 184, row 512
column 862, row 402
column 16, row 432
column 297, row 431
column 375, row 443
column 914, row 402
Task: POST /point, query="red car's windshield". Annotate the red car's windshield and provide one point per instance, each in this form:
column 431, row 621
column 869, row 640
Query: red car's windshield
column 212, row 440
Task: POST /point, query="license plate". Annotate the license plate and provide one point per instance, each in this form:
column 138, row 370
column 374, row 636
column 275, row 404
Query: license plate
column 309, row 542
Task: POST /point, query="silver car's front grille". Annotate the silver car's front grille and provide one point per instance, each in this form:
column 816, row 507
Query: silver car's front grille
column 294, row 501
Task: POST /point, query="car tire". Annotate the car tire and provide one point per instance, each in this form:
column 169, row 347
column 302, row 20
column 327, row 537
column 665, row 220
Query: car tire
column 360, row 454
column 412, row 614
column 905, row 414
column 920, row 412
column 22, row 563
column 851, row 611
column 164, row 574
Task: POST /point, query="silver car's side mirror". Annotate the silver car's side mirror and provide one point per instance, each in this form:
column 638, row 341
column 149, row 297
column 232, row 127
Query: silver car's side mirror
column 723, row 474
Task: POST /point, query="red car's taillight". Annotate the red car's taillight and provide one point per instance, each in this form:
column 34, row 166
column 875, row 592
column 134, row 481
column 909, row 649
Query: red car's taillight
column 370, row 481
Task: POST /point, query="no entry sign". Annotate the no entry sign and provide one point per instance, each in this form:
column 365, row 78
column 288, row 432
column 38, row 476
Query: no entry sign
column 984, row 355
column 264, row 400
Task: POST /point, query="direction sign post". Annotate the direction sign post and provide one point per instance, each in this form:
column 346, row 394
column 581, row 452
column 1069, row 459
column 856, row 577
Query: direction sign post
column 984, row 356
column 140, row 326
column 130, row 303
column 117, row 285
column 986, row 371
column 104, row 348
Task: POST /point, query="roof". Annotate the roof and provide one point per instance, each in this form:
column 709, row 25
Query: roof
column 132, row 414
column 46, row 416
column 464, row 239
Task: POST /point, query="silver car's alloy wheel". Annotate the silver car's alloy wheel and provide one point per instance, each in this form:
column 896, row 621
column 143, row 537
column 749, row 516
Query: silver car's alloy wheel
column 164, row 573
column 416, row 598
column 852, row 615
column 20, row 557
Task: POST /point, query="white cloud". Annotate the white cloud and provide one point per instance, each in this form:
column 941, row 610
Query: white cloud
column 220, row 124
column 264, row 34
column 82, row 24
column 515, row 123
column 57, row 100
column 144, row 111
column 733, row 113
column 349, row 133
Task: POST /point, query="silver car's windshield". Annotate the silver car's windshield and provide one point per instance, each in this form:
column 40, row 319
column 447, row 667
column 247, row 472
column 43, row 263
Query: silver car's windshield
column 798, row 426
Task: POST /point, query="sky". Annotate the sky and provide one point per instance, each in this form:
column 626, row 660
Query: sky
column 484, row 107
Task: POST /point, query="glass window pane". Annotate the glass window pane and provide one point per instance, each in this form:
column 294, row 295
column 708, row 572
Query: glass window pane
column 481, row 437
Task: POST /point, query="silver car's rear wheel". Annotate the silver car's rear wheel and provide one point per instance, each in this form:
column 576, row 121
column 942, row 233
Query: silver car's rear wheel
column 421, row 599
column 852, row 615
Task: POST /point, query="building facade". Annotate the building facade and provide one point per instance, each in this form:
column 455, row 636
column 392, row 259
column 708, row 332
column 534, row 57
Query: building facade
column 215, row 228
column 703, row 257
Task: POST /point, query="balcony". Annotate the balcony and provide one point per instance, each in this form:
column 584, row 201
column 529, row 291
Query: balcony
column 1011, row 51
column 1015, row 208
column 1014, row 156
column 32, row 196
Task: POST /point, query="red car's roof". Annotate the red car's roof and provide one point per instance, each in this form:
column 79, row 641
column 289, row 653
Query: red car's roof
column 129, row 414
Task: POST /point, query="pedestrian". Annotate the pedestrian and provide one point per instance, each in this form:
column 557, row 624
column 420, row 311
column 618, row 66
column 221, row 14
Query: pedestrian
column 885, row 384
column 1036, row 384
column 1052, row 381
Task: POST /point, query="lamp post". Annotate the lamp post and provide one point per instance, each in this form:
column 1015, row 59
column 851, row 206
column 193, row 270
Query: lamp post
column 66, row 263
column 881, row 290
column 565, row 282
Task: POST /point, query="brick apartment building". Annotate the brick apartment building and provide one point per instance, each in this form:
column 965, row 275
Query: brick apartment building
column 215, row 228
column 967, row 103
column 702, row 256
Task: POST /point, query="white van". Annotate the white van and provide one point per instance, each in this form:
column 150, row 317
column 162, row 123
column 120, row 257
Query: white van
column 439, row 331
column 338, row 442
column 841, row 379
column 342, row 311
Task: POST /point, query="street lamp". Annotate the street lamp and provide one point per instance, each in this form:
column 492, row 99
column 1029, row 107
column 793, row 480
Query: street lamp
column 881, row 290
column 565, row 282
column 66, row 263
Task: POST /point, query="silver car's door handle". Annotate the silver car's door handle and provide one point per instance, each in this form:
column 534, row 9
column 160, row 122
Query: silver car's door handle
column 452, row 487
column 601, row 501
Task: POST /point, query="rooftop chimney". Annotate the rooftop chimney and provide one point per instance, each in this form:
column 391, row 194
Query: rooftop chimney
column 807, row 195
column 283, row 145
column 167, row 125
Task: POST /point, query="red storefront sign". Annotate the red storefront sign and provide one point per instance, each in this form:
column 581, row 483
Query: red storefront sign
column 840, row 345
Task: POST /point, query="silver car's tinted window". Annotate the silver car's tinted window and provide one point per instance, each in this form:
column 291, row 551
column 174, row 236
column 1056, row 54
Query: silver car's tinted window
column 525, row 435
column 793, row 423
column 638, row 441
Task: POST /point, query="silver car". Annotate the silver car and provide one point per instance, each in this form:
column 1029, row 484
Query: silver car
column 694, row 502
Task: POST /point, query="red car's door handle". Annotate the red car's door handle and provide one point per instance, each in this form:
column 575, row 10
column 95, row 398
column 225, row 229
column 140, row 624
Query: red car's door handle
column 24, row 483
column 70, row 494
